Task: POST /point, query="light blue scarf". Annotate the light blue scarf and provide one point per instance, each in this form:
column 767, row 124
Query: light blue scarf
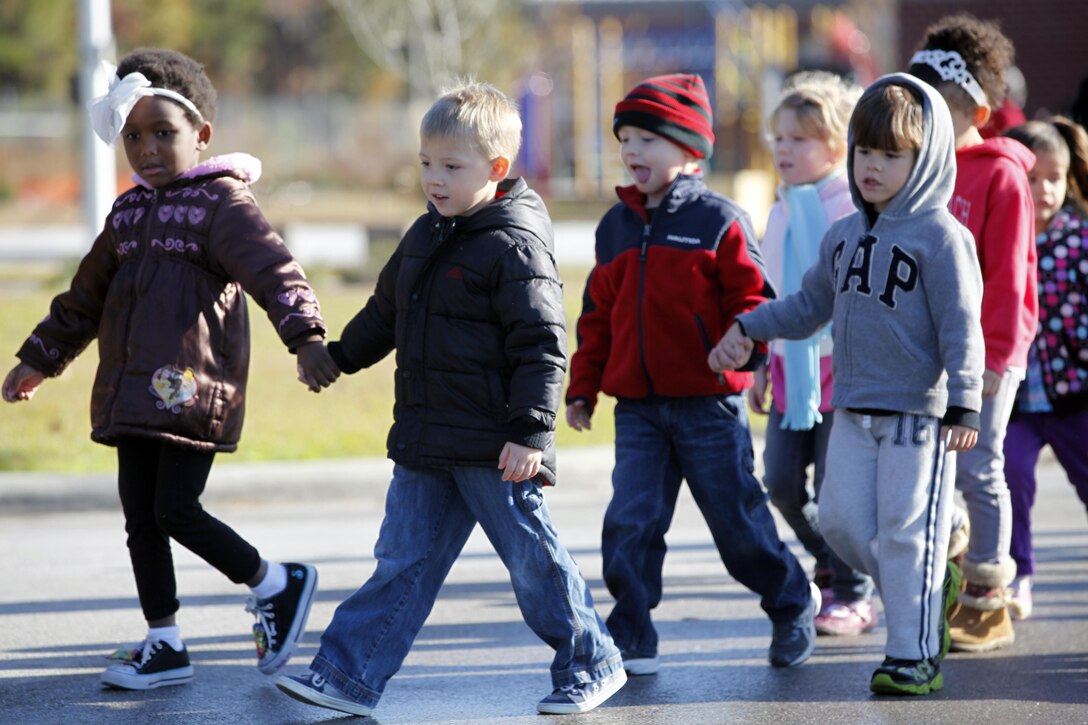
column 807, row 224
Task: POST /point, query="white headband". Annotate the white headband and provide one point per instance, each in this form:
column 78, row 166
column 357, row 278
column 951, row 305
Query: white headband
column 950, row 66
column 109, row 112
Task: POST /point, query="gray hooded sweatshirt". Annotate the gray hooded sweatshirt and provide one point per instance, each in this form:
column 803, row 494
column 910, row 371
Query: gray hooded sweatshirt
column 903, row 295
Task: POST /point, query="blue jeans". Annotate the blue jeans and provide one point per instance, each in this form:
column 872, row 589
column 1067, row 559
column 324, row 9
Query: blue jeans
column 429, row 515
column 786, row 458
column 704, row 440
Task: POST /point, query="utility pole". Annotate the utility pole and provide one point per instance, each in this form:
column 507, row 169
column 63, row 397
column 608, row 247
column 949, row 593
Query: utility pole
column 99, row 161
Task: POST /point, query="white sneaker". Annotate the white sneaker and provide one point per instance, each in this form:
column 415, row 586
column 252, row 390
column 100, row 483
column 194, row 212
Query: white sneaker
column 1018, row 597
column 639, row 666
column 313, row 689
column 582, row 697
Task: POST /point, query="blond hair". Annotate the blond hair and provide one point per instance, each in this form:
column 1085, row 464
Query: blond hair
column 822, row 102
column 478, row 114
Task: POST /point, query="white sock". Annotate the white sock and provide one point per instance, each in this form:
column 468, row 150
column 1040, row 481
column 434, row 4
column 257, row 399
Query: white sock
column 171, row 635
column 274, row 582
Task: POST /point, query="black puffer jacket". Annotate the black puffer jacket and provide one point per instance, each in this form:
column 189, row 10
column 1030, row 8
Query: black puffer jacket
column 474, row 307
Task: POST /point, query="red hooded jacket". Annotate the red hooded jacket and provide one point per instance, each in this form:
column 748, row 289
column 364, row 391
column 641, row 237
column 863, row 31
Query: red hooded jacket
column 992, row 198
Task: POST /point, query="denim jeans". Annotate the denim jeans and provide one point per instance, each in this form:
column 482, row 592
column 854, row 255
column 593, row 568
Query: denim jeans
column 429, row 515
column 704, row 440
column 786, row 458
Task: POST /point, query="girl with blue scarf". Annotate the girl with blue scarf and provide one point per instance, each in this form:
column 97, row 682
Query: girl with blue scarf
column 808, row 137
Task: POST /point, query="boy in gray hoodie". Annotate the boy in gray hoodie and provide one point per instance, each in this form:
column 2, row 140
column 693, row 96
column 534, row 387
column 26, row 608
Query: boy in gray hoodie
column 899, row 280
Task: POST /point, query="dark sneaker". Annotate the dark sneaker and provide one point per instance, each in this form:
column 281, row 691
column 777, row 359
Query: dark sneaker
column 582, row 697
column 152, row 663
column 792, row 642
column 907, row 677
column 953, row 582
column 313, row 689
column 281, row 620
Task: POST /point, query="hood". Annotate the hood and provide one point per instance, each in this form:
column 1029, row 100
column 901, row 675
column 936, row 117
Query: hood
column 933, row 177
column 241, row 166
column 999, row 147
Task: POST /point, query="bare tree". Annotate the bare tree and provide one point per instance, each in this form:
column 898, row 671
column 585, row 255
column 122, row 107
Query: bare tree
column 428, row 43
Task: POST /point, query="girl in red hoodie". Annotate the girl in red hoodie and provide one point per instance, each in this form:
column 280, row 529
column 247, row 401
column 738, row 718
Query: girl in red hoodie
column 965, row 59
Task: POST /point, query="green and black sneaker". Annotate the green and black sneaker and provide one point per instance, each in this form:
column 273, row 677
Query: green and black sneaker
column 953, row 583
column 907, row 677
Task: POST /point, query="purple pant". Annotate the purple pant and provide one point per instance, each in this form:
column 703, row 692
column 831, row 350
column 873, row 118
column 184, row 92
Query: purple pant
column 1024, row 439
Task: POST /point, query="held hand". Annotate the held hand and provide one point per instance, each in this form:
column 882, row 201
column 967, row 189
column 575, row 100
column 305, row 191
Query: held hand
column 732, row 351
column 519, row 463
column 991, row 382
column 757, row 394
column 21, row 383
column 958, row 437
column 316, row 368
column 578, row 415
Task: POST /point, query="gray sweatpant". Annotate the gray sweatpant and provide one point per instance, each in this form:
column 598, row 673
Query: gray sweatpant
column 885, row 508
column 980, row 477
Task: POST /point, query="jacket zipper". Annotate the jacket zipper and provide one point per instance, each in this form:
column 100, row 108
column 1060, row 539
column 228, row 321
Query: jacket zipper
column 641, row 287
column 443, row 230
column 136, row 287
column 706, row 342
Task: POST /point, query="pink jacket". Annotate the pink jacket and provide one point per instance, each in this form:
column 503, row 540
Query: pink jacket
column 837, row 203
column 993, row 200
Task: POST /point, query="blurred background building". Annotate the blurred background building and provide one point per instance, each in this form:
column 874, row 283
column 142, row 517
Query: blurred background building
column 328, row 93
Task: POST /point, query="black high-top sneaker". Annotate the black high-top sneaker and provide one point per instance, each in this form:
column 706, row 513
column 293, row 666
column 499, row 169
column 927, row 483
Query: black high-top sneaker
column 281, row 620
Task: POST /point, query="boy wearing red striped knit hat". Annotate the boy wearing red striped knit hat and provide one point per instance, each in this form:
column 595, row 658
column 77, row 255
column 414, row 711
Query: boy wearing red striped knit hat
column 675, row 264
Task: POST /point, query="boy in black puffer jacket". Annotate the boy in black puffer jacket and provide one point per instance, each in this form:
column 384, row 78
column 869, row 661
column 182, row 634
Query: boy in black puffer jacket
column 472, row 303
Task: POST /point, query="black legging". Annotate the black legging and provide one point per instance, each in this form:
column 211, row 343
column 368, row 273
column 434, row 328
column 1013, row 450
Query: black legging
column 160, row 486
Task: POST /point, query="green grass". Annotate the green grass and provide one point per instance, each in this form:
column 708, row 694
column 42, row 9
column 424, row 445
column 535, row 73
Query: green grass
column 284, row 421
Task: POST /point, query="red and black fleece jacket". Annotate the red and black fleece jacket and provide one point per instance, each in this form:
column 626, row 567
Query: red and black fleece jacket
column 662, row 293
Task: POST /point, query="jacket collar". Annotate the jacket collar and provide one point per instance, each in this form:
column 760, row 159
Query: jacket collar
column 508, row 190
column 684, row 188
column 241, row 166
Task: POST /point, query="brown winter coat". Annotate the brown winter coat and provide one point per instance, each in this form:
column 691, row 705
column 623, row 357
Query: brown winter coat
column 162, row 290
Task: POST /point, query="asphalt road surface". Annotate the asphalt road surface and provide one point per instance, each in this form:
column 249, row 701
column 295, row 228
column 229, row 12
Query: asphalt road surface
column 68, row 599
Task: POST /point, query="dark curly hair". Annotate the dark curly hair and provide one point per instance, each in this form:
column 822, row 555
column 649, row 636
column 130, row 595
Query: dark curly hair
column 984, row 48
column 176, row 72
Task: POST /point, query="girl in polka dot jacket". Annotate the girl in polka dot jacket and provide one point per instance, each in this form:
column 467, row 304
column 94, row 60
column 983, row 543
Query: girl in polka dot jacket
column 1052, row 404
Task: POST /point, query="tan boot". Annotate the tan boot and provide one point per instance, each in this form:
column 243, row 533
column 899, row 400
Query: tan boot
column 980, row 622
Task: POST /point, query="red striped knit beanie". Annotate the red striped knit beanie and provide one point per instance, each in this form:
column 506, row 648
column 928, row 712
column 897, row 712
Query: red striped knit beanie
column 674, row 106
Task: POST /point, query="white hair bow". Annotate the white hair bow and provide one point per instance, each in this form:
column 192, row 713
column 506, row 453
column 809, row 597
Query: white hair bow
column 109, row 112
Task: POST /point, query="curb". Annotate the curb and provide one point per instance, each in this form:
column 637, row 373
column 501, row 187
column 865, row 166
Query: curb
column 357, row 479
